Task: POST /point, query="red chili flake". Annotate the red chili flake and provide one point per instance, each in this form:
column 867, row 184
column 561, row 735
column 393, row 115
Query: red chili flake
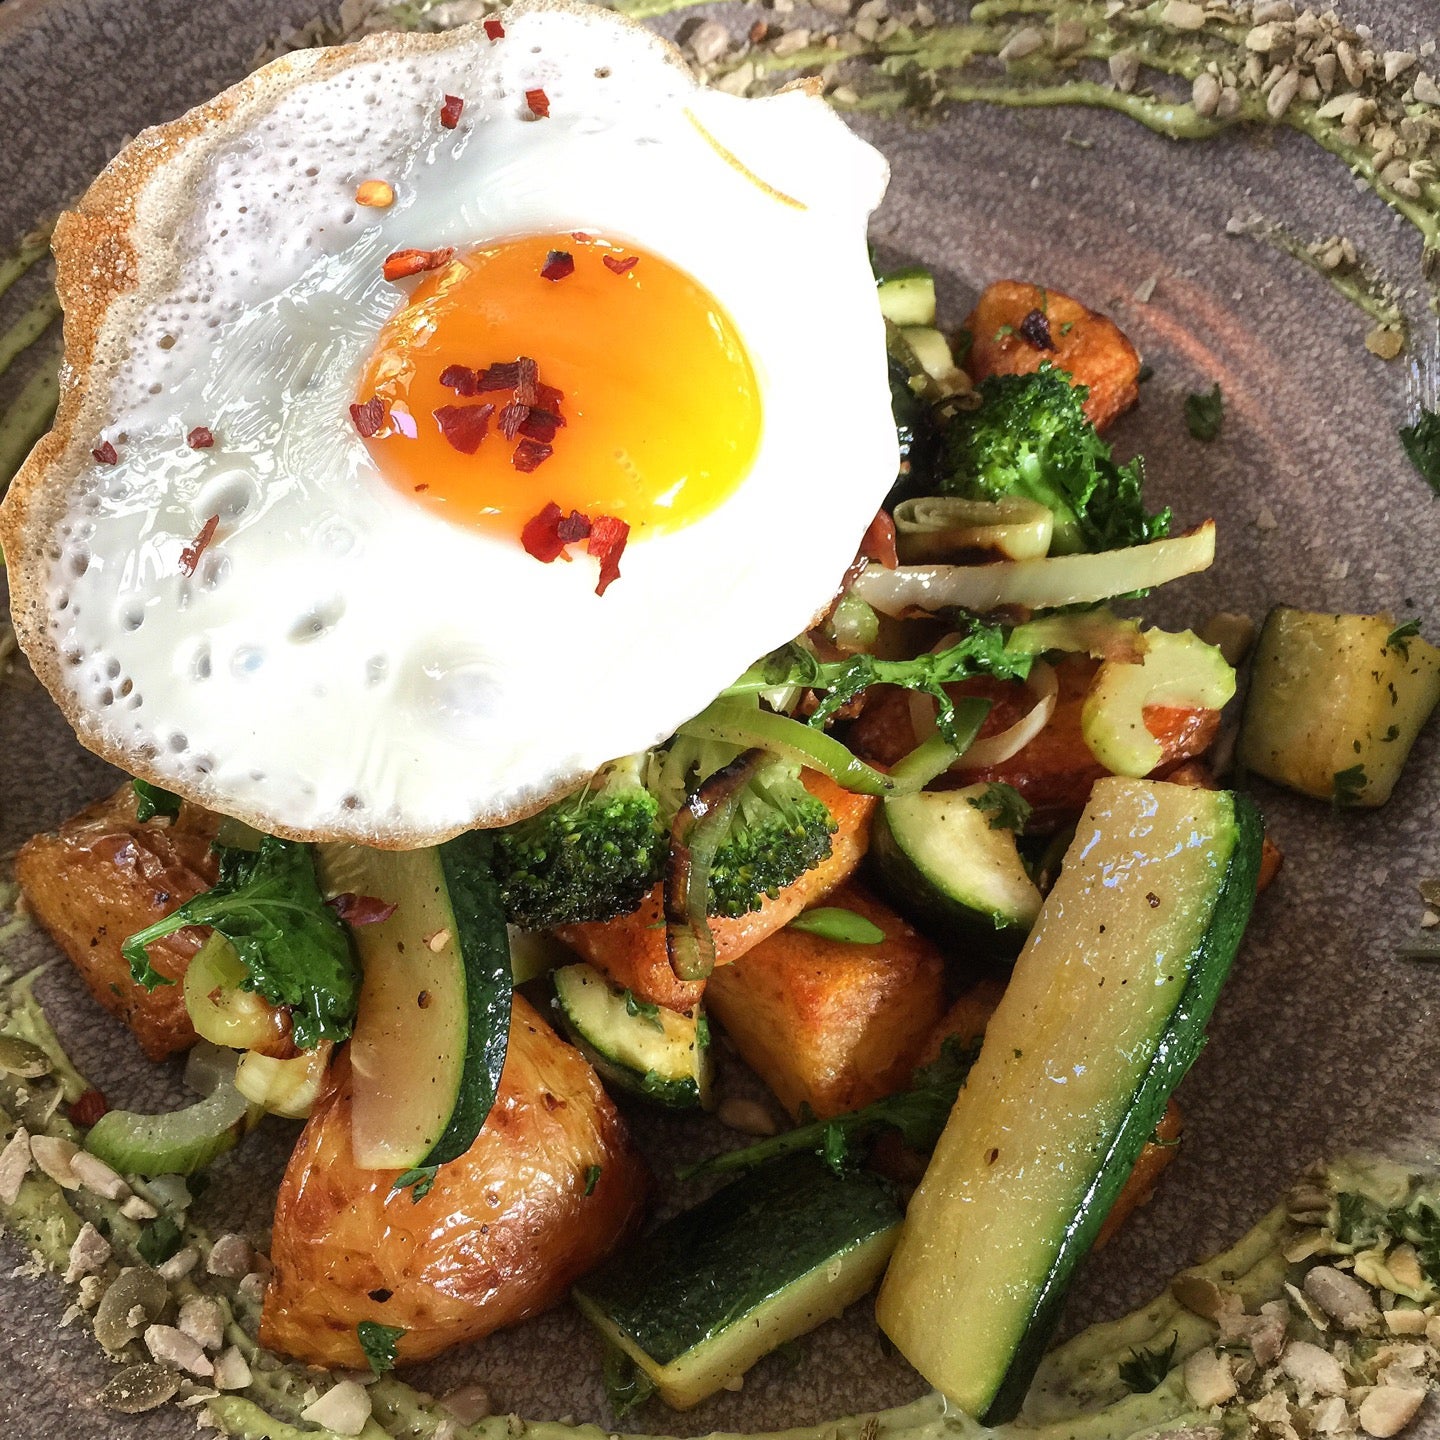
column 200, row 438
column 574, row 526
column 401, row 263
column 547, row 397
column 558, row 264
column 106, row 453
column 465, row 426
column 87, row 1108
column 582, row 237
column 530, row 455
column 607, row 541
column 494, row 29
column 503, row 376
column 356, row 909
column 190, row 555
column 621, row 267
column 450, row 110
column 512, row 417
column 459, row 378
column 369, row 418
column 541, row 535
column 527, row 381
column 1034, row 329
column 540, row 425
column 758, row 31
column 539, row 103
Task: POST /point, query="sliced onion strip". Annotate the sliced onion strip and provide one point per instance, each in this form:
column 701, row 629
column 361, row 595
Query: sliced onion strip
column 1042, row 683
column 1043, row 584
column 940, row 527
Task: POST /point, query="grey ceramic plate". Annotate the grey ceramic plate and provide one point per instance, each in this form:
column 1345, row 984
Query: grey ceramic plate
column 1322, row 1039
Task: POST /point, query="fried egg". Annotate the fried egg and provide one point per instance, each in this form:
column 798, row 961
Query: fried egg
column 280, row 557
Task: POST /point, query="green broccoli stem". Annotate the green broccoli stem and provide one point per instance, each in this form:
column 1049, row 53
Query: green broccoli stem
column 28, row 417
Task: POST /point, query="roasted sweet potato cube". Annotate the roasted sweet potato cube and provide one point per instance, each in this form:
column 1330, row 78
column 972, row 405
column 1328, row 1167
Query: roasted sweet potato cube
column 631, row 948
column 828, row 1024
column 104, row 875
column 549, row 1187
column 1088, row 346
column 1138, row 1189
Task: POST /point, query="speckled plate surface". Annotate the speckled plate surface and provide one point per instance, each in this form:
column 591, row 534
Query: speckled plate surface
column 1322, row 1039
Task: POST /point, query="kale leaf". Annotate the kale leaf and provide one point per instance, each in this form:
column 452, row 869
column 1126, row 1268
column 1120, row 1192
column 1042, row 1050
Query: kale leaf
column 267, row 904
column 151, row 800
column 919, row 1113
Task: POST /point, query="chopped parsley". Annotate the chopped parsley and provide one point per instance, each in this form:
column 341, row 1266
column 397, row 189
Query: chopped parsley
column 159, row 1241
column 1400, row 637
column 1349, row 786
column 378, row 1342
column 419, row 1181
column 592, row 1178
column 626, row 1384
column 1005, row 805
column 1205, row 413
column 1422, row 444
column 643, row 1010
column 1146, row 1369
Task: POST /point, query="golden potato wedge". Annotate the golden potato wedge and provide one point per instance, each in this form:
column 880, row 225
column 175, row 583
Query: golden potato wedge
column 1088, row 346
column 104, row 875
column 830, row 1025
column 1055, row 771
column 631, row 948
column 502, row 1234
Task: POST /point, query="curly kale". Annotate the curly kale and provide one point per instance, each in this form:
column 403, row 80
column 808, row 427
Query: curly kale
column 1029, row 437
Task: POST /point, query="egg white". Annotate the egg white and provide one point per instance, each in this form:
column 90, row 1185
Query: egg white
column 343, row 663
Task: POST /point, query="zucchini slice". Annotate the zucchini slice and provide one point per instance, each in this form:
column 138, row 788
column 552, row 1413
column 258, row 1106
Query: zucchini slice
column 1335, row 704
column 1105, row 1011
column 646, row 1050
column 942, row 863
column 434, row 1018
column 769, row 1257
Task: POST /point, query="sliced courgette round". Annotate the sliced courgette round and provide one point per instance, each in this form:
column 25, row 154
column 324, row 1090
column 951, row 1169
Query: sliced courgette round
column 943, row 864
column 646, row 1050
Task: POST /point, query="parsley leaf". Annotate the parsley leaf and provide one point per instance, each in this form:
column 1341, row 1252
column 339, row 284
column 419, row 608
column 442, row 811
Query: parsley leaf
column 919, row 1113
column 1005, row 805
column 1422, row 444
column 418, row 1181
column 1400, row 637
column 267, row 904
column 151, row 800
column 830, row 922
column 1349, row 786
column 1146, row 1369
column 1205, row 413
column 644, row 1010
column 378, row 1342
column 980, row 651
column 592, row 1178
column 158, row 1241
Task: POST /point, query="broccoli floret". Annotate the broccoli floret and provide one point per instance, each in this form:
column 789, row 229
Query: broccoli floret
column 1030, row 437
column 590, row 856
column 594, row 855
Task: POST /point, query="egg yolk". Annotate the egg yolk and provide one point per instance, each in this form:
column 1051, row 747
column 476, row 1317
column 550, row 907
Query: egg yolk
column 657, row 399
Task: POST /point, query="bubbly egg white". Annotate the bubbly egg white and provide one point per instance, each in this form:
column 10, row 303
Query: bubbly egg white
column 343, row 662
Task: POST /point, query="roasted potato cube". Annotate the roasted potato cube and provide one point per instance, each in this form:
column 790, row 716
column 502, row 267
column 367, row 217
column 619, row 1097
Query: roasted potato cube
column 1055, row 771
column 102, row 876
column 827, row 1024
column 1090, row 347
column 502, row 1234
column 631, row 948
